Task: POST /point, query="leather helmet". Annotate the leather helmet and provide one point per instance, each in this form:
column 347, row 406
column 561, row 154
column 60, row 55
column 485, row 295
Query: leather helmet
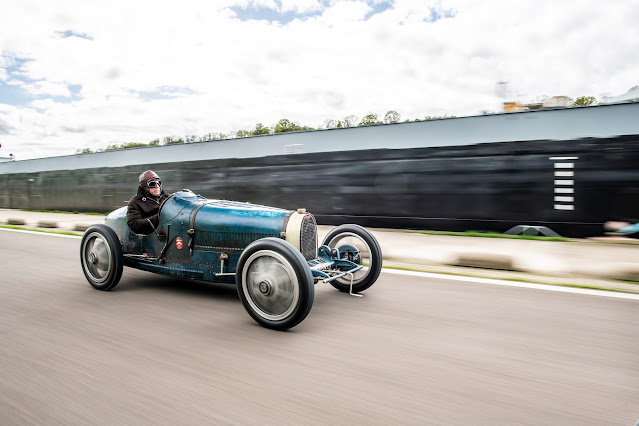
column 146, row 176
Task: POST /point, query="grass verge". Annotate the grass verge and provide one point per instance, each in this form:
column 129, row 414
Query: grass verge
column 489, row 235
column 22, row 228
column 62, row 211
column 515, row 279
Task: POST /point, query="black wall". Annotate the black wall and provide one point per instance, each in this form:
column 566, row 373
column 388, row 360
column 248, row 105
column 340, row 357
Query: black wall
column 491, row 186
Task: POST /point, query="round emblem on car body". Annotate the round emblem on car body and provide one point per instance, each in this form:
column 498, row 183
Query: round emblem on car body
column 179, row 243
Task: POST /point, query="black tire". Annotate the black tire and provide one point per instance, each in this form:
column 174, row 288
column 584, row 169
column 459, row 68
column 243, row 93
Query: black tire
column 101, row 257
column 370, row 253
column 275, row 283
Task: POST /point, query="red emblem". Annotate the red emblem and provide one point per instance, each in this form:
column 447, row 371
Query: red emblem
column 179, row 243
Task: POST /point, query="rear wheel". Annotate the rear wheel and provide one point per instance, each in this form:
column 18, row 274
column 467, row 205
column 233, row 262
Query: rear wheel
column 356, row 244
column 101, row 257
column 275, row 283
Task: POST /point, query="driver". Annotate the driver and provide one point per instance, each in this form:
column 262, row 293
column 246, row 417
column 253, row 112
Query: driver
column 143, row 208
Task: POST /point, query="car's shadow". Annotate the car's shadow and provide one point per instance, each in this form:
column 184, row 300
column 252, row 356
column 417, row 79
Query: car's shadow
column 177, row 286
column 138, row 281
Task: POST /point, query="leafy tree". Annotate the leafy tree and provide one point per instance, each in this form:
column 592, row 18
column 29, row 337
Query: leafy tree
column 285, row 125
column 392, row 117
column 126, row 145
column 261, row 130
column 84, row 151
column 172, row 140
column 243, row 133
column 584, row 101
column 368, row 119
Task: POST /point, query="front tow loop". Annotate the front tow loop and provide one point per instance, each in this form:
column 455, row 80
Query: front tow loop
column 351, row 289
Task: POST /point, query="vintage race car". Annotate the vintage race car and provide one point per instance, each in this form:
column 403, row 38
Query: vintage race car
column 270, row 254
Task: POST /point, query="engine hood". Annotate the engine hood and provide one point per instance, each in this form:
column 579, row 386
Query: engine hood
column 222, row 225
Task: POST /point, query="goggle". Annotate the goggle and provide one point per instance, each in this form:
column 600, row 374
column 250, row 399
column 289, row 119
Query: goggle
column 154, row 183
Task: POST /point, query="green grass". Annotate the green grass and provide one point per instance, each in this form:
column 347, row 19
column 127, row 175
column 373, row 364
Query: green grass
column 490, row 235
column 22, row 228
column 516, row 279
column 61, row 211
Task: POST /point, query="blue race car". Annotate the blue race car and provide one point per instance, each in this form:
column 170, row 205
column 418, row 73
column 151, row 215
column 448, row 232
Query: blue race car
column 270, row 254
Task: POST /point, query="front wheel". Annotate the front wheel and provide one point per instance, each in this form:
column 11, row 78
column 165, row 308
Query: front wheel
column 101, row 257
column 356, row 244
column 275, row 283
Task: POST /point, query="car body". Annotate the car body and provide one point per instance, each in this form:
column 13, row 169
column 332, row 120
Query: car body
column 270, row 254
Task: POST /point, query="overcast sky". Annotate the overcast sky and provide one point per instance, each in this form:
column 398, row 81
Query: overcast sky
column 82, row 74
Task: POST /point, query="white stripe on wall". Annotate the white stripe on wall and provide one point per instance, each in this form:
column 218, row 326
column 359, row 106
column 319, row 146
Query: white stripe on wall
column 564, row 207
column 565, row 199
column 564, row 165
column 564, row 190
column 565, row 182
column 564, row 174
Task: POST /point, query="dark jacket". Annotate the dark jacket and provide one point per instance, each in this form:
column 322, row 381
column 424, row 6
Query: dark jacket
column 142, row 213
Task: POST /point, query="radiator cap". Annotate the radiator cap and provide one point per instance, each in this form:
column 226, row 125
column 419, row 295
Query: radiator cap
column 301, row 211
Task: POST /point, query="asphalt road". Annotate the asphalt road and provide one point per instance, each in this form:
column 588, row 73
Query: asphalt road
column 414, row 350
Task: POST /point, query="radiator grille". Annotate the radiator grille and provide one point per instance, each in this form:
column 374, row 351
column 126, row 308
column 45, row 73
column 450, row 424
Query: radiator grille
column 308, row 237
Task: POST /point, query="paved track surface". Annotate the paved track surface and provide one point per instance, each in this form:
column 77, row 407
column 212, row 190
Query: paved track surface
column 158, row 350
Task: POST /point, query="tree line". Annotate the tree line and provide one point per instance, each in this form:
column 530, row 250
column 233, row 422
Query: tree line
column 286, row 125
column 282, row 126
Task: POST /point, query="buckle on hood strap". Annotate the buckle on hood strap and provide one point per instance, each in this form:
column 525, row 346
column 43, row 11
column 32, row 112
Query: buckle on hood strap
column 191, row 231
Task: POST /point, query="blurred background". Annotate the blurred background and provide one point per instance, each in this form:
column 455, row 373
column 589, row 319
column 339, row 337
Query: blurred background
column 443, row 114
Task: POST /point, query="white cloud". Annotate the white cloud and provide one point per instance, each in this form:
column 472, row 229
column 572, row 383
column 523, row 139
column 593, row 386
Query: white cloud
column 300, row 6
column 344, row 13
column 418, row 57
column 48, row 88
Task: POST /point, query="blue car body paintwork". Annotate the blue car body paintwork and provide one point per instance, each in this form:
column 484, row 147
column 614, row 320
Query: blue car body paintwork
column 220, row 231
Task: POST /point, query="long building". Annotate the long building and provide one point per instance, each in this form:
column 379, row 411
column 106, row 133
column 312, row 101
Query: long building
column 569, row 169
